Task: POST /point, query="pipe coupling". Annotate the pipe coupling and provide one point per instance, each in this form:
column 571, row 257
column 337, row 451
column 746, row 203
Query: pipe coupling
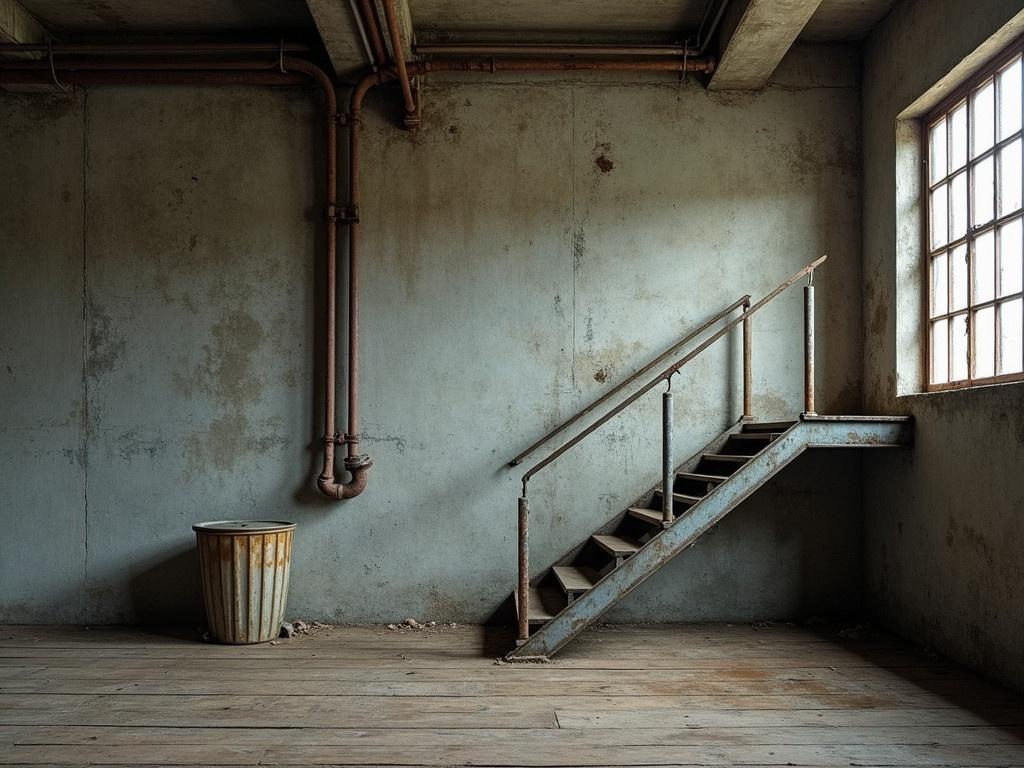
column 359, row 461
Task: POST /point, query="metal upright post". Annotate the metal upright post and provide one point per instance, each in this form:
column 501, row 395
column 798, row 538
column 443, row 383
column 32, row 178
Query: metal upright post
column 809, row 346
column 524, row 569
column 667, row 475
column 748, row 386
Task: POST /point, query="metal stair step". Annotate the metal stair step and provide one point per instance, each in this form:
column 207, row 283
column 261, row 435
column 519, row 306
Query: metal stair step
column 545, row 604
column 652, row 516
column 575, row 580
column 680, row 498
column 767, row 426
column 701, row 478
column 614, row 545
column 727, row 458
column 755, row 437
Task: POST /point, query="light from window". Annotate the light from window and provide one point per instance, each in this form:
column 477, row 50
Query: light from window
column 975, row 231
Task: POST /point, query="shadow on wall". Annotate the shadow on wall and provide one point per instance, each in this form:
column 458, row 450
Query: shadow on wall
column 169, row 589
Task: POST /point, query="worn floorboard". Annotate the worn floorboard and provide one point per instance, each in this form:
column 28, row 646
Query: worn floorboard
column 619, row 696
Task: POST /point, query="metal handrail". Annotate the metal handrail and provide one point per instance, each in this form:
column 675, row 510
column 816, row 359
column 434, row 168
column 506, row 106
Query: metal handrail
column 743, row 301
column 523, row 597
column 667, row 373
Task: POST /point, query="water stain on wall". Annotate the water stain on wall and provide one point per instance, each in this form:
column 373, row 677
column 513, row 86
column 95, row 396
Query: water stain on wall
column 227, row 440
column 134, row 443
column 601, row 152
column 226, row 370
column 106, row 344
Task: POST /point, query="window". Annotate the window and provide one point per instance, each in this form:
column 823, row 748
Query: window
column 974, row 230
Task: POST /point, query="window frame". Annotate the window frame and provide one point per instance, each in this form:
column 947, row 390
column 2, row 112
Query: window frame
column 962, row 94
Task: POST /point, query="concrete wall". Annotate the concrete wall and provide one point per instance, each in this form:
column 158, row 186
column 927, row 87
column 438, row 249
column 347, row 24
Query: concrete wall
column 162, row 351
column 943, row 523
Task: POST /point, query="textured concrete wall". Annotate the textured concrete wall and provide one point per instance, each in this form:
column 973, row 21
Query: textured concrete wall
column 943, row 523
column 163, row 352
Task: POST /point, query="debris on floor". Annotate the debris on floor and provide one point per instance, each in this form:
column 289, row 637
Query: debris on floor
column 503, row 661
column 300, row 627
column 417, row 626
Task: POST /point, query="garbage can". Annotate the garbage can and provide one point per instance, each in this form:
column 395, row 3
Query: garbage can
column 244, row 566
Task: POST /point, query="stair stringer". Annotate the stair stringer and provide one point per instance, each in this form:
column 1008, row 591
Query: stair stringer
column 810, row 432
column 642, row 501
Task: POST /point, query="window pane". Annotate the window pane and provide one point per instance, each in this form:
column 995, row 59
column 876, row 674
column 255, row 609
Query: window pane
column 1010, row 318
column 937, row 215
column 984, row 343
column 983, row 194
column 958, row 278
column 958, row 207
column 983, row 119
column 940, row 285
column 1009, row 100
column 940, row 352
column 958, row 348
column 985, row 267
column 1011, row 253
column 1009, row 178
column 937, row 154
column 958, row 138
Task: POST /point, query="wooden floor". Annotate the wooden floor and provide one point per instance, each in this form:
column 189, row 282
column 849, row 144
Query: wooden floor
column 646, row 695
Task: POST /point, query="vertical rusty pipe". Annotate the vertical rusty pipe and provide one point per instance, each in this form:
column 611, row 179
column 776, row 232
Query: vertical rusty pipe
column 524, row 570
column 667, row 475
column 368, row 14
column 356, row 464
column 391, row 17
column 748, row 386
column 809, row 346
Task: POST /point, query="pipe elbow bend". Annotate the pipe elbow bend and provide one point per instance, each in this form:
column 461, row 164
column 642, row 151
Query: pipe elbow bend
column 359, row 468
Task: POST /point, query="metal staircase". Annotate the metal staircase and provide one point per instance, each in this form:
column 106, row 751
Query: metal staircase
column 564, row 599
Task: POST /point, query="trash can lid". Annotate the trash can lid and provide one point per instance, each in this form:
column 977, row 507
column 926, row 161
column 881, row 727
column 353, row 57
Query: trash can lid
column 235, row 527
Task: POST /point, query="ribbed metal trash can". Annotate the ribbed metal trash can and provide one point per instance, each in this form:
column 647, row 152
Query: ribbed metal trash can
column 245, row 566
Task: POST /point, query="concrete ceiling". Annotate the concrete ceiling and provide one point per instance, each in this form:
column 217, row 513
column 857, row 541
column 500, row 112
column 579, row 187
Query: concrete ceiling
column 669, row 19
column 470, row 20
column 845, row 19
column 835, row 20
column 145, row 16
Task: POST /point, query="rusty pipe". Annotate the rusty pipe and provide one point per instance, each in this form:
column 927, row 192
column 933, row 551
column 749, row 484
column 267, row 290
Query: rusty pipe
column 548, row 49
column 357, row 464
column 155, row 48
column 10, row 76
column 555, row 64
column 143, row 63
column 371, row 23
column 412, row 119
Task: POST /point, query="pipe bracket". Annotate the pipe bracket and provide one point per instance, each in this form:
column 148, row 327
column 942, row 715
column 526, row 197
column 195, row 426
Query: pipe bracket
column 342, row 439
column 345, row 119
column 348, row 214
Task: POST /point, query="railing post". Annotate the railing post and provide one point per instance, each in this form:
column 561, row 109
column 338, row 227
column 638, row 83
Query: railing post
column 809, row 345
column 667, row 475
column 524, row 570
column 748, row 386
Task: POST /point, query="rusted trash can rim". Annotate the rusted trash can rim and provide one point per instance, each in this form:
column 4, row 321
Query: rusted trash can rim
column 237, row 527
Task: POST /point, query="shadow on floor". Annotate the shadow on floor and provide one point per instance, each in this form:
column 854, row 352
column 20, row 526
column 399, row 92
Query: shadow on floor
column 168, row 590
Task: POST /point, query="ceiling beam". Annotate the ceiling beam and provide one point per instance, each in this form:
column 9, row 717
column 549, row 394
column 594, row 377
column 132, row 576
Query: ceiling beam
column 18, row 25
column 404, row 26
column 754, row 37
column 336, row 23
